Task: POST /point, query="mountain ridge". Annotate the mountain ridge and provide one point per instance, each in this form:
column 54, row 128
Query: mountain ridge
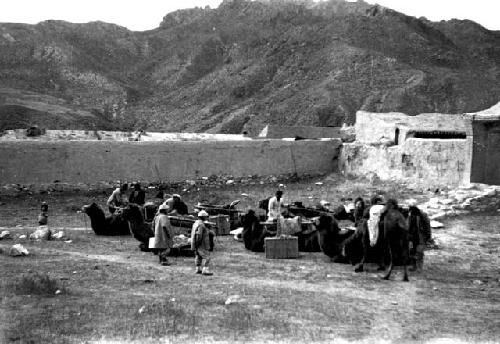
column 251, row 63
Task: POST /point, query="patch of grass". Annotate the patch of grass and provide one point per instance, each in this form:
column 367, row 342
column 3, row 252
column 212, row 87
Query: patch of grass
column 238, row 319
column 35, row 284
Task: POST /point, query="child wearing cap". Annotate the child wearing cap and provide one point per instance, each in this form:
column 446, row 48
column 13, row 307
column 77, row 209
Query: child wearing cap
column 200, row 244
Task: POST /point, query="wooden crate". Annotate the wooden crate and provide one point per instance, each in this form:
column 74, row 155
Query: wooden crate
column 282, row 248
column 222, row 224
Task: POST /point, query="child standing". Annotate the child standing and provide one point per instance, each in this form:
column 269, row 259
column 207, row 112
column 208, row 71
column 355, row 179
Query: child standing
column 43, row 218
column 200, row 244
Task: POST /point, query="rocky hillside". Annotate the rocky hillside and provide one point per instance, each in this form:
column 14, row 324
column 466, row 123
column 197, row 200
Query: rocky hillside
column 243, row 65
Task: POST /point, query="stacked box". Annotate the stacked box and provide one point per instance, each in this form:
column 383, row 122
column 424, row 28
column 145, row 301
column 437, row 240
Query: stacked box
column 282, row 247
column 222, row 225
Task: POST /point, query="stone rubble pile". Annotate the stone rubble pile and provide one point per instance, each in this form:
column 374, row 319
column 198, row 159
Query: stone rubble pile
column 463, row 200
column 219, row 181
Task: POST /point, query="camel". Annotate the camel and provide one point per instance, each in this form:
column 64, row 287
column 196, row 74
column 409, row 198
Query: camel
column 140, row 229
column 391, row 245
column 331, row 238
column 396, row 237
column 102, row 225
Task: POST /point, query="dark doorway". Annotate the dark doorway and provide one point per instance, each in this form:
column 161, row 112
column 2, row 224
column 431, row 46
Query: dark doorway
column 492, row 166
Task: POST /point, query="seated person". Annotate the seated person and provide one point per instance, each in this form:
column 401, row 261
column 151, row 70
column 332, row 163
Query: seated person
column 176, row 206
column 275, row 207
column 118, row 198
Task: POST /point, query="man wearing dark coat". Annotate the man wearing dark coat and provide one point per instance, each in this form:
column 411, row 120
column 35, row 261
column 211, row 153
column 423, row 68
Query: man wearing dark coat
column 138, row 195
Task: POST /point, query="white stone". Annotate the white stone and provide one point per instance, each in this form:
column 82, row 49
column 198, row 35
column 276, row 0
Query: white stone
column 436, row 224
column 490, row 192
column 5, row 235
column 18, row 250
column 234, row 299
column 437, row 216
column 460, row 198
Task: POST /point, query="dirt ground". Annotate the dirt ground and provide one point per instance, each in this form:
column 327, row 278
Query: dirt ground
column 110, row 292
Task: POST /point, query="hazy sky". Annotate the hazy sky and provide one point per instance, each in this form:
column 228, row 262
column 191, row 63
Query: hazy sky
column 147, row 14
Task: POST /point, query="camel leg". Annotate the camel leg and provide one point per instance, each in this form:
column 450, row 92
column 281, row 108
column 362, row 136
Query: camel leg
column 405, row 277
column 391, row 265
column 405, row 261
column 359, row 267
column 366, row 244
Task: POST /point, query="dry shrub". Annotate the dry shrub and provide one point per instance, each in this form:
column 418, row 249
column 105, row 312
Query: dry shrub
column 36, row 284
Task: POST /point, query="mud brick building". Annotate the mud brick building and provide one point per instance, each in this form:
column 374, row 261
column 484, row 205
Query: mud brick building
column 429, row 149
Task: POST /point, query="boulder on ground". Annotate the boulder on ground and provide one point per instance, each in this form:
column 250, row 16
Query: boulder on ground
column 59, row 236
column 436, row 224
column 42, row 233
column 18, row 250
column 5, row 235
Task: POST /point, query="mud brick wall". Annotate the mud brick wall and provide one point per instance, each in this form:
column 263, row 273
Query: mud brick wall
column 378, row 127
column 94, row 161
column 434, row 162
column 309, row 132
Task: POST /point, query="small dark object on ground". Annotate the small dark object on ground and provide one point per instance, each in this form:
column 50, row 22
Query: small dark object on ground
column 34, row 131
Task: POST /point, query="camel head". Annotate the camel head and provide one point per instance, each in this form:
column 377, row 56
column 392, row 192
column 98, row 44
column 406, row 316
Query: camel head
column 91, row 209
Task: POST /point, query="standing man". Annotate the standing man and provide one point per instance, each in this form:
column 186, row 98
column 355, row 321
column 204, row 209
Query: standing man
column 200, row 244
column 163, row 235
column 419, row 231
column 118, row 198
column 138, row 195
column 274, row 207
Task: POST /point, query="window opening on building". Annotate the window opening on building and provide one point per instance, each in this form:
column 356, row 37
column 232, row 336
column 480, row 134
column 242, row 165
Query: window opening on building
column 437, row 134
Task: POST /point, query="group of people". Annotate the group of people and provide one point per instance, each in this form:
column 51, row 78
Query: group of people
column 200, row 241
column 121, row 196
column 163, row 234
column 417, row 224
